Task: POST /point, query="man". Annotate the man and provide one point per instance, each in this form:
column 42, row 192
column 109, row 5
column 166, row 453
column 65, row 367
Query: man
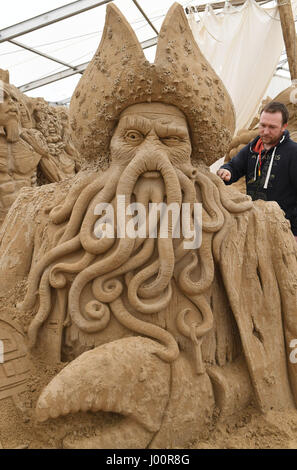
column 269, row 163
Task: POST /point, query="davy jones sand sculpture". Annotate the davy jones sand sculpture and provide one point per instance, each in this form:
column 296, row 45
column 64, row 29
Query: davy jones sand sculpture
column 34, row 144
column 141, row 342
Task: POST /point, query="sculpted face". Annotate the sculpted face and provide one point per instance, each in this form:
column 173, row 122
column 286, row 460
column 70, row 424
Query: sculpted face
column 9, row 115
column 152, row 127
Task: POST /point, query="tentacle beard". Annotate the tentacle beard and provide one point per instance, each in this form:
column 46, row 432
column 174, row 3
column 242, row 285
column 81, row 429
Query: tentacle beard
column 143, row 267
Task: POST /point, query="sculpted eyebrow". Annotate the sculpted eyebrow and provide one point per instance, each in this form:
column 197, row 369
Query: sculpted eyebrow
column 137, row 122
column 166, row 130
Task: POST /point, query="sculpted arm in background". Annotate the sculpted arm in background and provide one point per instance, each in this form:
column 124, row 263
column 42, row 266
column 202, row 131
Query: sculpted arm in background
column 39, row 144
column 24, row 232
column 16, row 245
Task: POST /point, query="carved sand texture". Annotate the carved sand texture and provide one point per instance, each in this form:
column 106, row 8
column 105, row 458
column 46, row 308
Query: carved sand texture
column 120, row 76
column 147, row 342
column 35, row 144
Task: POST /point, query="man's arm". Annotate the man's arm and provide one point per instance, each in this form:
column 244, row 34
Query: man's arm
column 293, row 181
column 231, row 172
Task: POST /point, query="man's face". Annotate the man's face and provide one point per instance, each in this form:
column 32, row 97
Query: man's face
column 153, row 127
column 271, row 128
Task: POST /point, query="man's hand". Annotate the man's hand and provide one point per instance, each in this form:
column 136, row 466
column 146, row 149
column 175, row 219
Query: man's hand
column 225, row 175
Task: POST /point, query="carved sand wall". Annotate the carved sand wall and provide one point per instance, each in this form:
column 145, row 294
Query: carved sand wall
column 35, row 144
column 144, row 341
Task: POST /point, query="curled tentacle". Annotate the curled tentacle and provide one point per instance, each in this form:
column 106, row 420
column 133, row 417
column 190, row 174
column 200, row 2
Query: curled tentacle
column 207, row 318
column 106, row 291
column 101, row 267
column 164, row 266
column 188, row 170
column 43, row 311
column 36, row 273
column 151, row 307
column 124, row 317
column 97, row 316
column 149, row 191
column 221, row 235
column 195, row 332
column 82, row 202
column 90, row 233
column 158, row 162
column 213, row 218
column 241, row 203
column 58, row 235
column 187, row 186
column 207, row 269
column 57, row 277
column 89, row 242
column 153, row 190
column 144, row 162
column 223, row 202
column 61, row 212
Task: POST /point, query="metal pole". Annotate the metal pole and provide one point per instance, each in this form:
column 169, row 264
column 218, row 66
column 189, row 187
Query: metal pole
column 48, row 18
column 145, row 16
column 289, row 34
column 42, row 54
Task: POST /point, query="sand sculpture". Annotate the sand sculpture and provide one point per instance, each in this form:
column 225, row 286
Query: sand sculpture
column 143, row 342
column 35, row 145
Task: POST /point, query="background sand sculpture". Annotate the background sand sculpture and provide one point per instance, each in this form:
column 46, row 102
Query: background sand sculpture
column 140, row 342
column 35, row 144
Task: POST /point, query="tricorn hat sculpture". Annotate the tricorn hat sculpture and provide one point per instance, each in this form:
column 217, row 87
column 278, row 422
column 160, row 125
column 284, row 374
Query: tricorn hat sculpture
column 119, row 76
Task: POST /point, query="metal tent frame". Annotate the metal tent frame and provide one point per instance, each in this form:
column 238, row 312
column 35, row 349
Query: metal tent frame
column 10, row 34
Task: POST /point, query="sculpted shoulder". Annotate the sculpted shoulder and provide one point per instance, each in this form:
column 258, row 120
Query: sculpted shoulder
column 42, row 197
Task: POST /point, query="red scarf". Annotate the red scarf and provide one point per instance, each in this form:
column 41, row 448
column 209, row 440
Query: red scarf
column 259, row 147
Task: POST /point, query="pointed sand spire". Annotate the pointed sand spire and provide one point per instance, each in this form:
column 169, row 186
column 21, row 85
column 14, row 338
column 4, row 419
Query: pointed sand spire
column 119, row 75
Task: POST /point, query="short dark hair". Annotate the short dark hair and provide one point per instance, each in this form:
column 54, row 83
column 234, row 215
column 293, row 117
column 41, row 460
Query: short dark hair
column 275, row 107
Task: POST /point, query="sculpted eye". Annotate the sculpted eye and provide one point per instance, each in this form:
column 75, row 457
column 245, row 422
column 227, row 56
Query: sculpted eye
column 171, row 140
column 134, row 137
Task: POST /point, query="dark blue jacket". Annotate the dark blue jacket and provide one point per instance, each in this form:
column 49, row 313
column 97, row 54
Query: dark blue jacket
column 282, row 182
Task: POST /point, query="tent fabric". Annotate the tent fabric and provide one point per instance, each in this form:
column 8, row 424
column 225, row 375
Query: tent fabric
column 243, row 45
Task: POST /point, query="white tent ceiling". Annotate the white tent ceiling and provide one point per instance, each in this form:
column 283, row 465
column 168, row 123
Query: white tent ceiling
column 74, row 40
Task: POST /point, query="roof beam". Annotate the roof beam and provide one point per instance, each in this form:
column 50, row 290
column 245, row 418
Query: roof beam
column 145, row 16
column 42, row 54
column 52, row 78
column 149, row 43
column 48, row 18
column 217, row 6
column 69, row 72
column 60, row 103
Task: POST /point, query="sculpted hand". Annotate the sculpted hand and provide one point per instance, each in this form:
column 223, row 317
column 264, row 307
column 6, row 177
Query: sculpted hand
column 225, row 175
